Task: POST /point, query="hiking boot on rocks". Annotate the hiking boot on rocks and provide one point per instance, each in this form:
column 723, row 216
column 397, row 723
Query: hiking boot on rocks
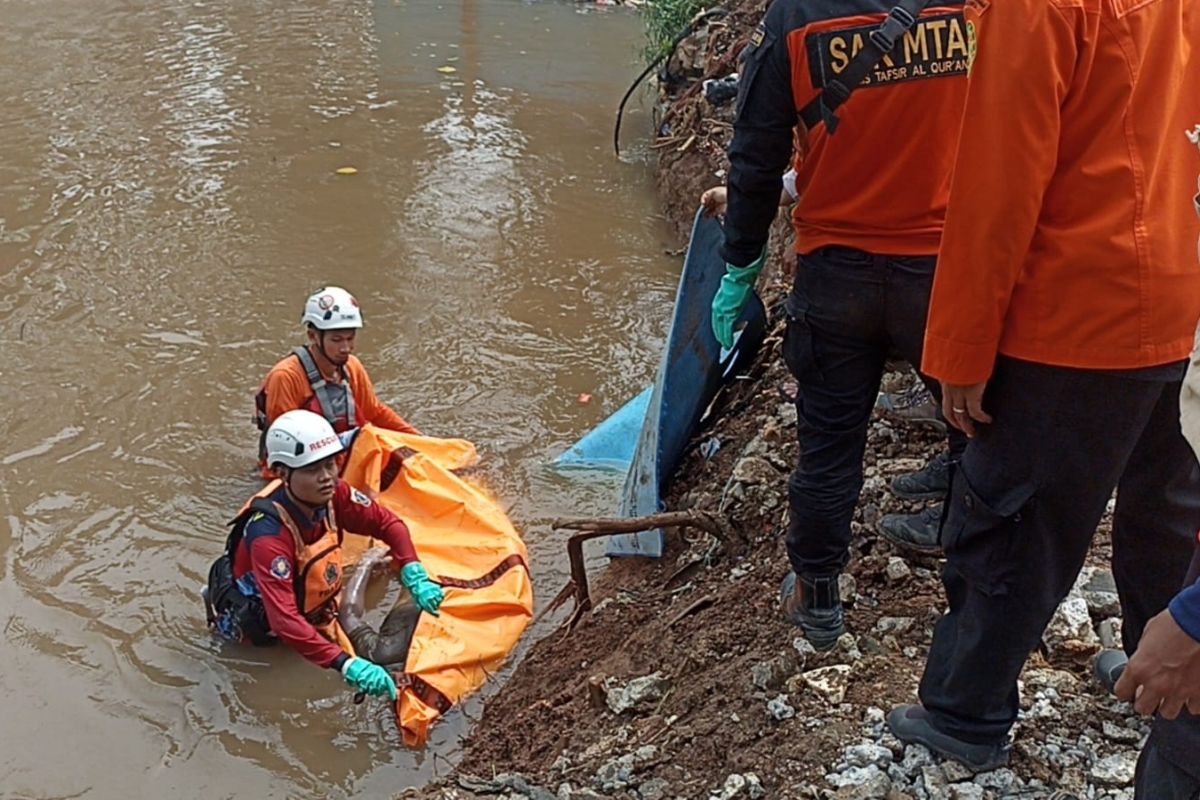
column 815, row 606
column 914, row 404
column 932, row 482
column 917, row 533
column 911, row 724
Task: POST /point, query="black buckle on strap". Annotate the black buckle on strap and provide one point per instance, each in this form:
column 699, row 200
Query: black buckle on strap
column 897, row 23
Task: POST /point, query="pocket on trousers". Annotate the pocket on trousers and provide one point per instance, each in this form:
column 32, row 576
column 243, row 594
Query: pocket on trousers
column 798, row 351
column 982, row 535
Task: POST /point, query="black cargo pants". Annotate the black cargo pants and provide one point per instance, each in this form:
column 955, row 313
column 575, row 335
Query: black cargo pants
column 1024, row 504
column 848, row 311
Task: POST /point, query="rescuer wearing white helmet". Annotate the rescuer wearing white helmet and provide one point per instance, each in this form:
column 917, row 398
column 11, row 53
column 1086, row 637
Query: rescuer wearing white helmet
column 324, row 376
column 281, row 572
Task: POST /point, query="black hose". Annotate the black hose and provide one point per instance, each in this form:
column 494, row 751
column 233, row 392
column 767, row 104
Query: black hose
column 670, row 51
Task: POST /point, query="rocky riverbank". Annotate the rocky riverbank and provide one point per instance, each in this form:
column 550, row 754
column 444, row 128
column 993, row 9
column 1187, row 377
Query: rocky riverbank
column 685, row 682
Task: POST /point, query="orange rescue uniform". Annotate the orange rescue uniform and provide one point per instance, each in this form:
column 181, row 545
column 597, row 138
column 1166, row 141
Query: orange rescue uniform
column 881, row 182
column 1070, row 236
column 287, row 388
column 895, row 204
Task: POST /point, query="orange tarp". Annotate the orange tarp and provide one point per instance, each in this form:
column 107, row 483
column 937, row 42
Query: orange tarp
column 467, row 543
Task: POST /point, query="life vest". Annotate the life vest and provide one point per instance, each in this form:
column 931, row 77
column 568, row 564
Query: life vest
column 333, row 401
column 317, row 578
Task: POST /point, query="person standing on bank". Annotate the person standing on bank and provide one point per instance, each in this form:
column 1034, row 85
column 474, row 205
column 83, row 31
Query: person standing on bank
column 1163, row 677
column 872, row 187
column 1062, row 317
column 325, row 376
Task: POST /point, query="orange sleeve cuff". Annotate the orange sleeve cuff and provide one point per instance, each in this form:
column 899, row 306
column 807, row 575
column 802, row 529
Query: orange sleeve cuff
column 956, row 362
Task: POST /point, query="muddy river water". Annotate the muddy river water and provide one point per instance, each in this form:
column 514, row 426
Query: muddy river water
column 168, row 196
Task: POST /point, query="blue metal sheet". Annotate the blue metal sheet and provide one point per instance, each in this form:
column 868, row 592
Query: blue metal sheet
column 689, row 375
column 612, row 443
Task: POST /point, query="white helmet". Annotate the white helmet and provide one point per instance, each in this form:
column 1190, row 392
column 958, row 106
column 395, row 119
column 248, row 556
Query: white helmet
column 299, row 438
column 332, row 308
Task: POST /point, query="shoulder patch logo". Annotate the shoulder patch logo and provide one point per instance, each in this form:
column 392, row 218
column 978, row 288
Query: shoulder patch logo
column 331, row 574
column 936, row 47
column 281, row 568
column 760, row 33
column 972, row 11
column 972, row 45
column 360, row 498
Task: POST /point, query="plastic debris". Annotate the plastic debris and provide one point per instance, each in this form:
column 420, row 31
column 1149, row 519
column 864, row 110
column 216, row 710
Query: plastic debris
column 720, row 91
column 347, row 171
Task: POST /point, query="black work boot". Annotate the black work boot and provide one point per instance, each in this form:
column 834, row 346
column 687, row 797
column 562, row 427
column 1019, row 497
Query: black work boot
column 932, row 482
column 911, row 724
column 917, row 533
column 815, row 606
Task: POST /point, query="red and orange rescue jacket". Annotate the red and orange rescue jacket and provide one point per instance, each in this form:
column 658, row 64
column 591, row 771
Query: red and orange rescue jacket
column 296, row 564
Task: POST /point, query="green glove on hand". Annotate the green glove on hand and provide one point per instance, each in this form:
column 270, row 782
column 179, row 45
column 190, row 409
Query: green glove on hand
column 425, row 593
column 368, row 677
column 730, row 299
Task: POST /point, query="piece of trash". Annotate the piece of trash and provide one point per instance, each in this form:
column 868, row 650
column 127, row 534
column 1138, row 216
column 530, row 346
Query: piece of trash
column 447, row 70
column 347, row 171
column 584, row 398
column 709, row 447
column 724, row 358
column 719, row 91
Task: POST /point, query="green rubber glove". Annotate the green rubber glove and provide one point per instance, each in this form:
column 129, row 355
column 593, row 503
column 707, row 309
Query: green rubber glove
column 425, row 593
column 731, row 297
column 369, row 677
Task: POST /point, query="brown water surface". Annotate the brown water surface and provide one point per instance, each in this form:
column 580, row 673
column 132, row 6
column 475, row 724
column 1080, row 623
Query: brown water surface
column 168, row 197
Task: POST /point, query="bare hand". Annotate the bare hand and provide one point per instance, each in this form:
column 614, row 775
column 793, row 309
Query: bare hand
column 1164, row 673
column 963, row 406
column 713, row 201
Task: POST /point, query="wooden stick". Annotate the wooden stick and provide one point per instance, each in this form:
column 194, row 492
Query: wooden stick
column 667, row 519
column 595, row 527
column 699, row 605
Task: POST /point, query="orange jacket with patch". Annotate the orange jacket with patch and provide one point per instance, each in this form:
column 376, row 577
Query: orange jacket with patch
column 288, row 389
column 881, row 182
column 1070, row 236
